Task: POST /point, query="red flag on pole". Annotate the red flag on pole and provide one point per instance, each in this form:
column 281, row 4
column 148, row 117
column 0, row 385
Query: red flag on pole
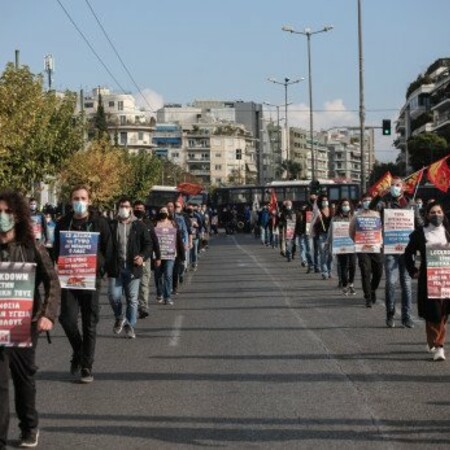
column 439, row 174
column 382, row 185
column 190, row 188
column 413, row 181
column 180, row 200
column 273, row 205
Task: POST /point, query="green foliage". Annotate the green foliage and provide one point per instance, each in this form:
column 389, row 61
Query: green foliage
column 425, row 149
column 293, row 168
column 38, row 130
column 100, row 122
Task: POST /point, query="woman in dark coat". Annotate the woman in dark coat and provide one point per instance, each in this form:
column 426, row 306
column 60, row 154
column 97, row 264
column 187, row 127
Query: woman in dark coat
column 435, row 233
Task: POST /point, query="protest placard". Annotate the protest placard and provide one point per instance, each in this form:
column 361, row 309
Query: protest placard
column 398, row 225
column 167, row 237
column 17, row 283
column 309, row 217
column 290, row 229
column 77, row 262
column 438, row 272
column 368, row 236
column 342, row 242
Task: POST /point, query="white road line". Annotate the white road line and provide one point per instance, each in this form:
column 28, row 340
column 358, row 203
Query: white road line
column 176, row 331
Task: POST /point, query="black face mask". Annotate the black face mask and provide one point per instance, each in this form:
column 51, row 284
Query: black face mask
column 139, row 214
column 437, row 220
column 163, row 216
column 190, row 211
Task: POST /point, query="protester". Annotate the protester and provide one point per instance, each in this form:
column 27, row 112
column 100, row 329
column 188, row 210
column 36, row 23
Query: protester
column 194, row 223
column 76, row 301
column 38, row 222
column 302, row 239
column 172, row 248
column 309, row 211
column 370, row 264
column 288, row 222
column 132, row 246
column 153, row 261
column 274, row 229
column 321, row 226
column 18, row 244
column 263, row 224
column 435, row 233
column 51, row 226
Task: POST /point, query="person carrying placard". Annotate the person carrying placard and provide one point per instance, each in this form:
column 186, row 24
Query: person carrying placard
column 433, row 306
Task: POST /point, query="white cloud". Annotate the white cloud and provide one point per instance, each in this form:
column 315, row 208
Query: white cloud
column 152, row 98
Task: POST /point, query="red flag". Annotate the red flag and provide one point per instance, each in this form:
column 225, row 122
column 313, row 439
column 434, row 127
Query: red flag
column 382, row 185
column 439, row 174
column 180, row 200
column 273, row 205
column 411, row 182
column 190, row 188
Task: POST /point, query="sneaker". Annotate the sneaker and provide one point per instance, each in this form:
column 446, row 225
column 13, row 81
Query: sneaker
column 194, row 268
column 86, row 376
column 345, row 291
column 408, row 323
column 143, row 313
column 75, row 366
column 351, row 290
column 431, row 349
column 118, row 326
column 330, row 276
column 175, row 292
column 309, row 270
column 324, row 277
column 169, row 302
column 29, row 439
column 390, row 322
column 303, row 263
column 439, row 354
column 368, row 302
column 129, row 332
column 159, row 300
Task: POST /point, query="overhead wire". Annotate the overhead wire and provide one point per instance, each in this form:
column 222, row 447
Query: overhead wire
column 86, row 40
column 105, row 33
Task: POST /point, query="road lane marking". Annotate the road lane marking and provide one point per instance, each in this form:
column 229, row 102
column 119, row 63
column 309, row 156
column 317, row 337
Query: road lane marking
column 176, row 331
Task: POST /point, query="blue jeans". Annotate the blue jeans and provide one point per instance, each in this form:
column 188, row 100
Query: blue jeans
column 193, row 252
column 305, row 249
column 274, row 239
column 324, row 255
column 164, row 279
column 126, row 284
column 394, row 266
column 264, row 233
column 290, row 248
column 316, row 258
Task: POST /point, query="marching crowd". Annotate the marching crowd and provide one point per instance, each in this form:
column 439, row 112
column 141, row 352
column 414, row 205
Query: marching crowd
column 130, row 247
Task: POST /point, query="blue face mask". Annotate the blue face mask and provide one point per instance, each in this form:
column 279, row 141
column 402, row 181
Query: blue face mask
column 366, row 204
column 79, row 207
column 396, row 191
column 7, row 222
column 346, row 209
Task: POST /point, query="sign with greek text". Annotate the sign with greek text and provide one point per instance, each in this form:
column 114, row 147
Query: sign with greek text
column 368, row 236
column 342, row 242
column 309, row 218
column 438, row 272
column 17, row 282
column 290, row 229
column 77, row 262
column 398, row 225
column 167, row 237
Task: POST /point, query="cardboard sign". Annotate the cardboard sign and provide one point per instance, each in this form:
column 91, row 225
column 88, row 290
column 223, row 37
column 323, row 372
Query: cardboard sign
column 17, row 283
column 290, row 229
column 342, row 242
column 438, row 272
column 308, row 217
column 38, row 229
column 167, row 237
column 77, row 262
column 398, row 225
column 368, row 236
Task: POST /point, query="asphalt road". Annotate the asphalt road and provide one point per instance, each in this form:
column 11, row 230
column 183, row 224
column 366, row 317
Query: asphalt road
column 254, row 354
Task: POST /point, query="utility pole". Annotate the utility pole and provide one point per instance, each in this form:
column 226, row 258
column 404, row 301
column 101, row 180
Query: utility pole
column 17, row 57
column 362, row 112
column 49, row 68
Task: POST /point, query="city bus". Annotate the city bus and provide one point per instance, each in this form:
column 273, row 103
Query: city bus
column 159, row 196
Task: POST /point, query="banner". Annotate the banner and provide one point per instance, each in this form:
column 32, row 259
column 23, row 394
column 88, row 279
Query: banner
column 17, row 283
column 382, row 185
column 368, row 236
column 309, row 218
column 290, row 229
column 77, row 262
column 438, row 272
column 190, row 188
column 167, row 238
column 398, row 225
column 342, row 242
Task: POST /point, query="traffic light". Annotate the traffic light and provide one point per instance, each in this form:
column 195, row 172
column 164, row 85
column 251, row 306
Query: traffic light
column 386, row 127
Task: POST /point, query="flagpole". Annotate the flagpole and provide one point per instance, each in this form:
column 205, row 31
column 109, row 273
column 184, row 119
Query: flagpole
column 418, row 183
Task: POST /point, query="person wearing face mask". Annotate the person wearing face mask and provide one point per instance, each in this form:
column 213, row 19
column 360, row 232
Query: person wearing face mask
column 18, row 245
column 346, row 261
column 132, row 245
column 194, row 222
column 435, row 233
column 370, row 264
column 311, row 258
column 287, row 227
column 149, row 264
column 39, row 223
column 320, row 227
column 78, row 301
column 394, row 264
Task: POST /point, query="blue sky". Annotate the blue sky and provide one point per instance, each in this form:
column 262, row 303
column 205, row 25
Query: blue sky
column 182, row 50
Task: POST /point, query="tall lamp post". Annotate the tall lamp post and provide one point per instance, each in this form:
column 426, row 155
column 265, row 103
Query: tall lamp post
column 308, row 33
column 286, row 83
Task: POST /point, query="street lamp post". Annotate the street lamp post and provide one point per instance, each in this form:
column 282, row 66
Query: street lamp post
column 308, row 33
column 287, row 82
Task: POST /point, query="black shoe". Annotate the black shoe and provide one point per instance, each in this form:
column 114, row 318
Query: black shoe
column 181, row 279
column 368, row 303
column 29, row 439
column 373, row 297
column 143, row 313
column 86, row 376
column 75, row 366
column 407, row 323
column 390, row 322
column 308, row 270
column 316, row 271
column 303, row 264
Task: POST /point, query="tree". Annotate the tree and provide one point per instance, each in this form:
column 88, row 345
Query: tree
column 379, row 169
column 39, row 129
column 292, row 168
column 100, row 123
column 426, row 148
column 103, row 168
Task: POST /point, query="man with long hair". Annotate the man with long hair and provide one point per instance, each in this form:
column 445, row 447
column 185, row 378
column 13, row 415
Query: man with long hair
column 18, row 245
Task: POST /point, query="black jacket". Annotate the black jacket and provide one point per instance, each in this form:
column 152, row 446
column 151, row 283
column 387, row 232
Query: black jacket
column 156, row 252
column 92, row 224
column 429, row 309
column 139, row 244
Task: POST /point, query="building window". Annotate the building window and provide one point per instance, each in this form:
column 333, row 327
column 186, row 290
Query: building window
column 191, row 155
column 205, row 156
column 218, row 167
column 218, row 155
column 120, row 106
column 141, row 135
column 89, row 105
column 123, row 138
column 191, row 143
column 123, row 120
column 111, row 104
column 175, row 155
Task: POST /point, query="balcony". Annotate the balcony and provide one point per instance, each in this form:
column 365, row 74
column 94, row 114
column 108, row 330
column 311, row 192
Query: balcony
column 425, row 128
column 441, row 121
column 443, row 104
column 197, row 160
column 200, row 173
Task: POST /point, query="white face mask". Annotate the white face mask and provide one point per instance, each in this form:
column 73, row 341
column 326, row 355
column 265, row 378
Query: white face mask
column 124, row 213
